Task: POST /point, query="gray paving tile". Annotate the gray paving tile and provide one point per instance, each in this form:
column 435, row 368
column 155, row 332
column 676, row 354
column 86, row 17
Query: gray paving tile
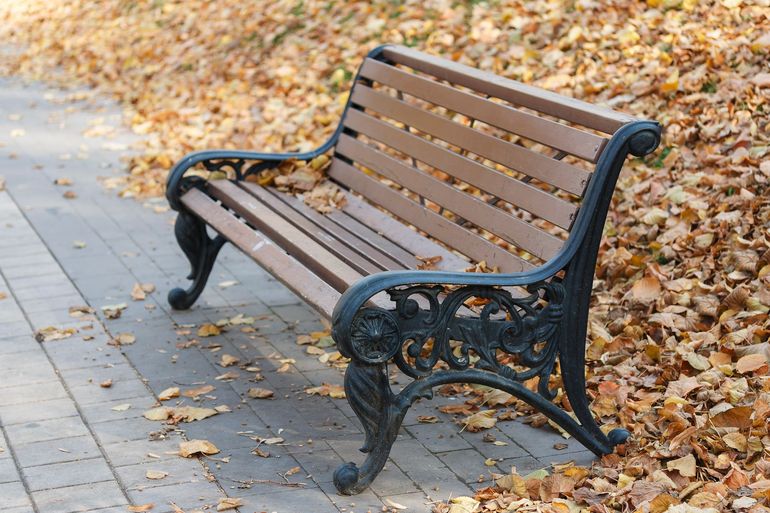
column 79, row 498
column 540, row 442
column 33, row 392
column 19, row 344
column 32, row 412
column 57, row 451
column 439, row 437
column 286, row 500
column 8, row 471
column 141, row 451
column 22, row 509
column 102, row 412
column 120, row 389
column 61, row 475
column 13, row 495
column 179, row 470
column 185, row 495
column 43, row 430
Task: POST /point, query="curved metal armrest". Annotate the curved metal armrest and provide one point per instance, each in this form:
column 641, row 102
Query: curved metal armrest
column 265, row 161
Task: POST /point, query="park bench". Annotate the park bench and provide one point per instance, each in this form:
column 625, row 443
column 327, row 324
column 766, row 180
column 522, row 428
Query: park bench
column 435, row 159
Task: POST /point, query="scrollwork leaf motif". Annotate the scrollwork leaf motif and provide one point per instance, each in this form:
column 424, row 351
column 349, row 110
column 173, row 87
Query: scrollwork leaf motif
column 427, row 323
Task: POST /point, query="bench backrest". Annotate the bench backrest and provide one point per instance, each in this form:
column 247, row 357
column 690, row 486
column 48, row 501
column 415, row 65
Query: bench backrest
column 467, row 155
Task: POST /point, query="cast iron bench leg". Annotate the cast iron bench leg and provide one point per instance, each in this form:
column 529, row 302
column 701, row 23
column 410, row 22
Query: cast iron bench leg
column 201, row 251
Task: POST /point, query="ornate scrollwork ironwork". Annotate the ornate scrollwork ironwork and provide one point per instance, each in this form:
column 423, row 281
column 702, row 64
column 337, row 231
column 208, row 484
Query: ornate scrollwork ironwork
column 436, row 331
column 238, row 167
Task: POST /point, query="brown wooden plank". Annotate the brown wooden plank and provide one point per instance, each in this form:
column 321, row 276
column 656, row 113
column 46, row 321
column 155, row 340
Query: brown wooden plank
column 514, row 230
column 393, row 236
column 441, row 228
column 536, row 165
column 389, row 255
column 310, row 287
column 337, row 247
column 318, row 259
column 523, row 195
column 562, row 107
column 579, row 143
column 353, row 250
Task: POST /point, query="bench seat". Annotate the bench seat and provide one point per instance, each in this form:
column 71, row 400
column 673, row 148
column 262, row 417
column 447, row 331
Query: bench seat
column 316, row 256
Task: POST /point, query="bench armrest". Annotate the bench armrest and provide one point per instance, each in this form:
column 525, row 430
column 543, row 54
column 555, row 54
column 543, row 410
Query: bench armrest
column 234, row 159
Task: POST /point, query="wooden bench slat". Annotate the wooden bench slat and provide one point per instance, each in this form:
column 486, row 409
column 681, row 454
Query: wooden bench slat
column 297, row 277
column 482, row 214
column 536, row 165
column 584, row 145
column 436, row 225
column 522, row 195
column 351, row 249
column 547, row 102
column 393, row 236
column 318, row 259
column 340, row 248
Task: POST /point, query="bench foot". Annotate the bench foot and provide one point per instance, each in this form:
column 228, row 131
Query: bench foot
column 380, row 413
column 201, row 250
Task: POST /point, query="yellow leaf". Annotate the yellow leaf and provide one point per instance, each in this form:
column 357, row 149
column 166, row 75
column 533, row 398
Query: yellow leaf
column 227, row 360
column 209, row 330
column 226, row 503
column 685, row 465
column 193, row 447
column 481, row 420
column 671, row 84
column 259, row 393
column 168, row 393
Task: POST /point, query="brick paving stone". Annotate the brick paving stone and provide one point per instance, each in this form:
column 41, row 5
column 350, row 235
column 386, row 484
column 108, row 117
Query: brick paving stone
column 120, row 389
column 56, row 451
column 141, row 451
column 124, row 430
column 13, row 495
column 32, row 392
column 60, row 475
column 13, row 330
column 184, row 495
column 292, row 500
column 490, row 450
column 17, row 344
column 8, row 471
column 44, row 430
column 180, row 470
column 439, row 437
column 32, row 412
column 365, row 501
column 22, row 509
column 524, row 465
column 79, row 498
column 540, row 441
column 467, row 464
column 102, row 412
column 77, row 353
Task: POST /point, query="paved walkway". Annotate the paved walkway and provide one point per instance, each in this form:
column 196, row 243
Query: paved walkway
column 69, row 442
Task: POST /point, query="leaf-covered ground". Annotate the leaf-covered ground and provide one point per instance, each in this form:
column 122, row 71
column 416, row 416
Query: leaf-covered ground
column 679, row 348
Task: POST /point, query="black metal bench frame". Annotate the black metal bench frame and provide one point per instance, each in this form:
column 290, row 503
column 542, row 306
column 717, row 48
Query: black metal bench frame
column 549, row 324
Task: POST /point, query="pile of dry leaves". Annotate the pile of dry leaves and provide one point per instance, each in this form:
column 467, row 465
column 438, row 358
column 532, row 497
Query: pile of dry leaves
column 679, row 334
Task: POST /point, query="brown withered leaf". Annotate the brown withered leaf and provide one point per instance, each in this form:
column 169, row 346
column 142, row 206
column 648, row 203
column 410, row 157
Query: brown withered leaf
column 259, row 393
column 191, row 448
column 484, row 419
